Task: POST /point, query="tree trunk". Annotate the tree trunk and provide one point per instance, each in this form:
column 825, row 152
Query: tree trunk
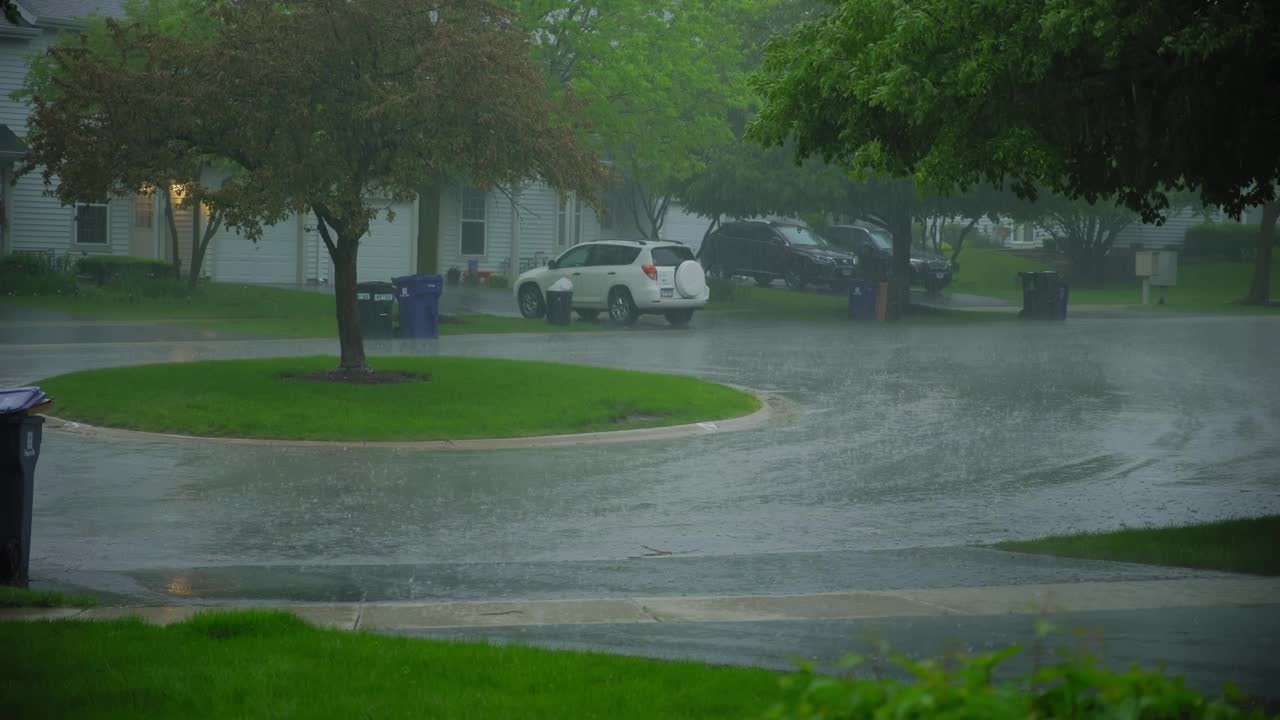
column 1260, row 289
column 900, row 270
column 959, row 244
column 172, row 223
column 350, row 338
column 200, row 246
column 343, row 250
column 711, row 227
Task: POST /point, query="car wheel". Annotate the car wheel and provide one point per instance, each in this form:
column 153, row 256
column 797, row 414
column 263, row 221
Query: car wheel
column 588, row 315
column 795, row 279
column 764, row 280
column 679, row 318
column 531, row 305
column 622, row 309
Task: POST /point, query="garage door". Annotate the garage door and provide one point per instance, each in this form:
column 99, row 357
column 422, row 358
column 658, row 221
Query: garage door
column 387, row 251
column 273, row 259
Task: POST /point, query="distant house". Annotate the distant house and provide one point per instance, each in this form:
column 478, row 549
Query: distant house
column 449, row 226
column 29, row 219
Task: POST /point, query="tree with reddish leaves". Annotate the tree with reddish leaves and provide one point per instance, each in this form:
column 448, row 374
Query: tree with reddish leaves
column 104, row 119
column 326, row 107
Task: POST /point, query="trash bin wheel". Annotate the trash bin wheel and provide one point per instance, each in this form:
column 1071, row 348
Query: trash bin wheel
column 531, row 305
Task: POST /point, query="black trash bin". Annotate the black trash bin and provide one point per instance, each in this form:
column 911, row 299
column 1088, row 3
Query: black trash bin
column 1044, row 295
column 374, row 302
column 559, row 306
column 20, row 436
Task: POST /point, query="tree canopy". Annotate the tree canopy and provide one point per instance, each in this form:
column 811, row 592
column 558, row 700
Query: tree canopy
column 1087, row 99
column 657, row 78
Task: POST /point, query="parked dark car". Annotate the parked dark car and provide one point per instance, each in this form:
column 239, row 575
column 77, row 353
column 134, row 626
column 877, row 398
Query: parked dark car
column 874, row 248
column 767, row 251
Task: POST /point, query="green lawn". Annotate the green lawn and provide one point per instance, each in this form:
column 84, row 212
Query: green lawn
column 22, row 597
column 1244, row 545
column 254, row 310
column 1202, row 287
column 465, row 398
column 272, row 665
column 992, row 273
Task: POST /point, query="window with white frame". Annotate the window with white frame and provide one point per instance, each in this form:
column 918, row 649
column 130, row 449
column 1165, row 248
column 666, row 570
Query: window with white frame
column 91, row 224
column 569, row 229
column 473, row 221
column 144, row 206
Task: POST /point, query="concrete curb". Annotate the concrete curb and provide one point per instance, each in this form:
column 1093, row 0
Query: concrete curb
column 770, row 407
column 1225, row 591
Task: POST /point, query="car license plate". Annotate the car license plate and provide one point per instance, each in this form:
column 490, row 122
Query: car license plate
column 667, row 292
column 941, row 275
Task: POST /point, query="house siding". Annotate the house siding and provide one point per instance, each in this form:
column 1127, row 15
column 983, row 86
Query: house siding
column 15, row 56
column 1169, row 235
column 497, row 232
column 38, row 221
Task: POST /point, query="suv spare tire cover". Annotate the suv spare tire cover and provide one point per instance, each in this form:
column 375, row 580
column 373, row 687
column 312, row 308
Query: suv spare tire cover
column 690, row 280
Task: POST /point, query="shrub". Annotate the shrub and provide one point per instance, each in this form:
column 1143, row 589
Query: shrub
column 471, row 280
column 1075, row 686
column 452, row 276
column 106, row 270
column 1221, row 241
column 36, row 274
column 499, row 281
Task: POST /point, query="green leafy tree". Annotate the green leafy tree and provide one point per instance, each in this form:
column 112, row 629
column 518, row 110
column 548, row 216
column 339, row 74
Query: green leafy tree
column 1091, row 100
column 657, row 78
column 333, row 108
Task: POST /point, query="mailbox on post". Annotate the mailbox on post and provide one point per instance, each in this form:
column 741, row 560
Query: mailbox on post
column 1158, row 268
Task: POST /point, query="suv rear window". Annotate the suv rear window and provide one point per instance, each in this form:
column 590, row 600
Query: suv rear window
column 671, row 255
column 614, row 255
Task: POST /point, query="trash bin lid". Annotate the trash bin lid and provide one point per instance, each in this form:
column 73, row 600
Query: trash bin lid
column 562, row 285
column 16, row 400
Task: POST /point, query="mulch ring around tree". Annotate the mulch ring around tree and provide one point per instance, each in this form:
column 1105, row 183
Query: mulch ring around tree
column 361, row 377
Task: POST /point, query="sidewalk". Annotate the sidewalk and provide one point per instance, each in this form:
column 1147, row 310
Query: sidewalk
column 1241, row 591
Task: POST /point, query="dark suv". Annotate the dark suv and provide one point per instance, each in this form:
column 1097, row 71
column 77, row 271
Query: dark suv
column 770, row 250
column 874, row 248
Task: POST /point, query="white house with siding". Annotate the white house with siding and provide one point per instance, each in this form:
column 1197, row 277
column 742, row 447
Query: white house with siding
column 451, row 225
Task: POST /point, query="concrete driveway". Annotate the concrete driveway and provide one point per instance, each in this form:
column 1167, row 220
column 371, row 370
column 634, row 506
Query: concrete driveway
column 903, row 445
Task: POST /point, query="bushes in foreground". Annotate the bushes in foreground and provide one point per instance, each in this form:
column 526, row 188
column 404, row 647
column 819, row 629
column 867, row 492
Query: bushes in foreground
column 1075, row 686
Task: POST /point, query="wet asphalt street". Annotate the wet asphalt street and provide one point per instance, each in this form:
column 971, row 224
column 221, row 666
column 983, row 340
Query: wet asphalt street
column 900, row 446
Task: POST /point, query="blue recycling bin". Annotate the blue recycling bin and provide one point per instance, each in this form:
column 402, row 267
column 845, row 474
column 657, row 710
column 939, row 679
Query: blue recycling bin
column 862, row 300
column 419, row 299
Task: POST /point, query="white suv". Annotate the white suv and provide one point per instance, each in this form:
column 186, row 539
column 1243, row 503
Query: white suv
column 626, row 278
